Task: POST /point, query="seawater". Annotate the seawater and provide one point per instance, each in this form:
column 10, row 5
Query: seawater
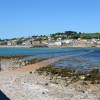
column 80, row 58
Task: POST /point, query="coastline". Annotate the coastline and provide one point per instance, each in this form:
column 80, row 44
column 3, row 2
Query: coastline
column 16, row 46
column 21, row 46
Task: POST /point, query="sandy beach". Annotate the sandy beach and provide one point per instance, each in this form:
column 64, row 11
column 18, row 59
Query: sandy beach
column 26, row 84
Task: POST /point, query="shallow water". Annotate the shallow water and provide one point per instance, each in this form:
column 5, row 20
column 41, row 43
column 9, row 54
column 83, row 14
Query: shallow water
column 81, row 58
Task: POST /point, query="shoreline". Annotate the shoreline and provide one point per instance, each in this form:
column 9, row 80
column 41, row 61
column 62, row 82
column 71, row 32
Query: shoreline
column 21, row 46
column 17, row 46
column 13, row 57
column 26, row 83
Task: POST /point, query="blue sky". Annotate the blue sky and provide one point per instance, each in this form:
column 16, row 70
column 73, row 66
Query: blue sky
column 31, row 17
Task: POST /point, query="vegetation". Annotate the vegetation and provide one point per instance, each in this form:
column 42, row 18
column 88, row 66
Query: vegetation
column 13, row 57
column 68, row 35
column 54, row 36
column 74, row 35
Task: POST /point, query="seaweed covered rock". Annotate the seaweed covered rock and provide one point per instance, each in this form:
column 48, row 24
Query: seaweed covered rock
column 59, row 75
column 57, row 71
column 93, row 76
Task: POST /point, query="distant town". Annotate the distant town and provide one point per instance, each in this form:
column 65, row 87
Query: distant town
column 59, row 39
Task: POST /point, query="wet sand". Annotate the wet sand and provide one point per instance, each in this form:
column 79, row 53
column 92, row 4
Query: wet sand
column 32, row 67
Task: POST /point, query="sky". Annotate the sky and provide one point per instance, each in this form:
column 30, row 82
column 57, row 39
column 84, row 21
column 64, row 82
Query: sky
column 20, row 18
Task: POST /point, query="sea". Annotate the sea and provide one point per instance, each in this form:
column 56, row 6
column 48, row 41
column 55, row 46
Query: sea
column 78, row 58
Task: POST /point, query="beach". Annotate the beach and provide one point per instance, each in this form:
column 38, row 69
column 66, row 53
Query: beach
column 26, row 84
column 34, row 87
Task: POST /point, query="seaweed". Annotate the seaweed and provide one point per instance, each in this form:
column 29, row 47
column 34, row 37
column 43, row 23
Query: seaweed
column 58, row 71
column 93, row 75
column 13, row 57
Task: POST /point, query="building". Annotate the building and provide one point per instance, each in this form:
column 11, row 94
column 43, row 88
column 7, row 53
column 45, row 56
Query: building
column 54, row 43
column 12, row 43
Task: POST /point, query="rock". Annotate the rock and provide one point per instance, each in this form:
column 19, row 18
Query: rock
column 98, row 82
column 46, row 84
column 43, row 92
column 23, row 63
column 82, row 77
column 30, row 72
column 95, row 82
column 84, row 83
column 92, row 82
column 82, row 91
column 58, row 77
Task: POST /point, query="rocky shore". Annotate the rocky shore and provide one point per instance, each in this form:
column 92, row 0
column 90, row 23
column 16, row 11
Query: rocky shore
column 32, row 86
column 50, row 83
column 70, row 76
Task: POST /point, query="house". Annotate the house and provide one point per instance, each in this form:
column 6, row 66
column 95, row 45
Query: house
column 9, row 43
column 67, row 41
column 34, row 43
column 27, row 43
column 12, row 42
column 39, row 43
column 54, row 43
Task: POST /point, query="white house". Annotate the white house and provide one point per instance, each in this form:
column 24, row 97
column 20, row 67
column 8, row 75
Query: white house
column 54, row 43
column 9, row 43
column 67, row 41
column 12, row 42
